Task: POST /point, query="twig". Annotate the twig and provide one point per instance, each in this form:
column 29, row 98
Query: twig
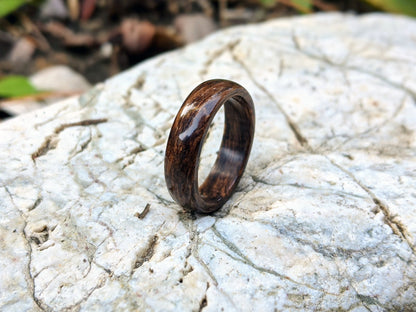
column 38, row 37
column 324, row 6
column 222, row 12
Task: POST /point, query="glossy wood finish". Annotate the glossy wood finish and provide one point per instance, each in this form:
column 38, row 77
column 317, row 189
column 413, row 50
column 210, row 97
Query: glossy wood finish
column 187, row 137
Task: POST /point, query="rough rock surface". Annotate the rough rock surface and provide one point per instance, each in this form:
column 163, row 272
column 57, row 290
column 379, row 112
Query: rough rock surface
column 324, row 218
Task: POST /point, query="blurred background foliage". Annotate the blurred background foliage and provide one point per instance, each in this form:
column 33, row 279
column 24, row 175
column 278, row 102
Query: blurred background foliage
column 92, row 40
column 406, row 7
column 8, row 6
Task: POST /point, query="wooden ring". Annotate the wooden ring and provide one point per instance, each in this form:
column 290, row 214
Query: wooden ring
column 187, row 137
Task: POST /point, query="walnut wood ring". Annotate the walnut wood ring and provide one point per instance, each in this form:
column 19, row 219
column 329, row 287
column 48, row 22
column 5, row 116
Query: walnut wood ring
column 187, row 137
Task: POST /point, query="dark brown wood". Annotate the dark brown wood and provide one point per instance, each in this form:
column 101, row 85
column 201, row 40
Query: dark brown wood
column 187, row 137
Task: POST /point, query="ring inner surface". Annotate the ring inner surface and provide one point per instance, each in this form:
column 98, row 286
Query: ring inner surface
column 211, row 145
column 232, row 156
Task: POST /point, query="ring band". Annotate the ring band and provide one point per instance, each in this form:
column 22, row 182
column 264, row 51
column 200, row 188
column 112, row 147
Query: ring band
column 187, row 137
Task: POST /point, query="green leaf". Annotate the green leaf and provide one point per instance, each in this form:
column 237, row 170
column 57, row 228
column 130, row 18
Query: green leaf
column 304, row 6
column 268, row 3
column 13, row 86
column 407, row 7
column 9, row 6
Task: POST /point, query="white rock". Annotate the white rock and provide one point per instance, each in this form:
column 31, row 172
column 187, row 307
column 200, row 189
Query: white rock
column 323, row 219
column 54, row 8
column 59, row 78
column 193, row 27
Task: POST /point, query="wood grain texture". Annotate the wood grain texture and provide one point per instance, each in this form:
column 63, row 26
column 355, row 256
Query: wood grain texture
column 187, row 137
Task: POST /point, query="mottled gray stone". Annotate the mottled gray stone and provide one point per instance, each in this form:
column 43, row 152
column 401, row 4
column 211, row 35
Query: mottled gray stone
column 323, row 219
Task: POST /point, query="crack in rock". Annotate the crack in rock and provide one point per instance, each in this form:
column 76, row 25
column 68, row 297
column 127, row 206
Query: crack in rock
column 77, row 305
column 343, row 66
column 51, row 141
column 204, row 301
column 216, row 54
column 31, row 280
column 36, row 203
column 28, row 272
column 292, row 125
column 247, row 261
column 396, row 226
column 147, row 254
